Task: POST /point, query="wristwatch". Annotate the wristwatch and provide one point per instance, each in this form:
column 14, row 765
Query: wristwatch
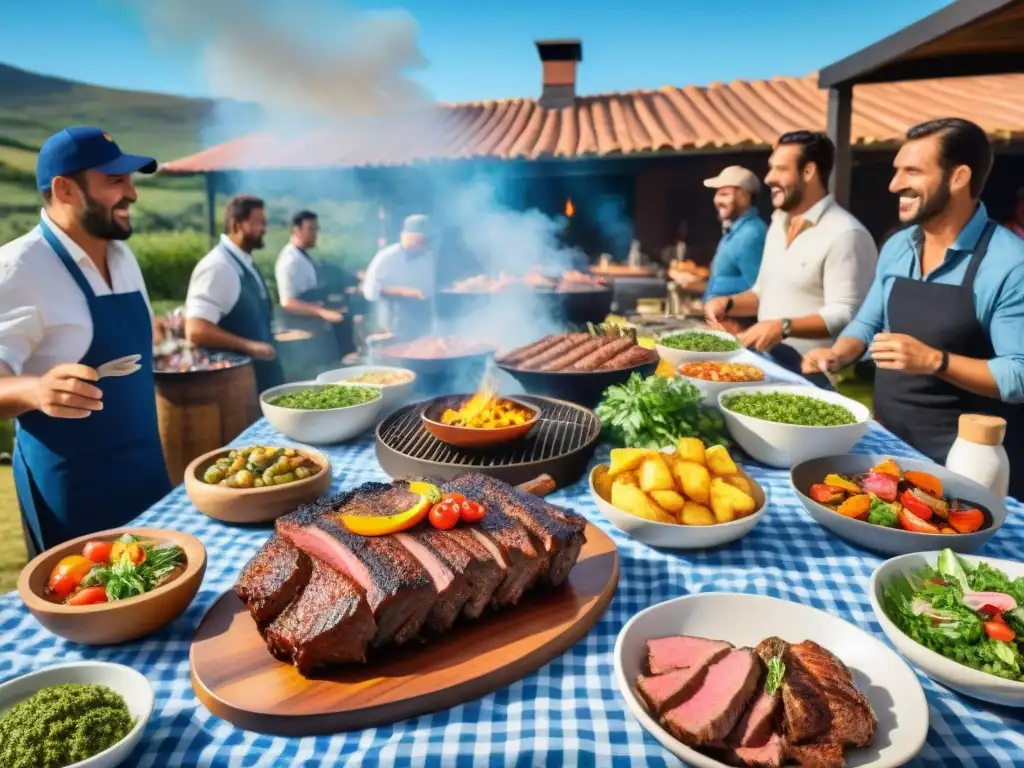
column 728, row 307
column 787, row 327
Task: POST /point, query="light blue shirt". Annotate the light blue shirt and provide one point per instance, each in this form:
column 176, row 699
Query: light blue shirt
column 998, row 293
column 738, row 257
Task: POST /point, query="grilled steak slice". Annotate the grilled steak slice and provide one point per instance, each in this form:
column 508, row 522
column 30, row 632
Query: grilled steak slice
column 398, row 588
column 756, row 724
column 817, row 754
column 272, row 578
column 329, row 623
column 578, row 352
column 555, row 532
column 452, row 587
column 711, row 713
column 681, row 651
column 663, row 692
column 463, row 552
column 853, row 721
column 632, row 356
column 602, row 354
column 569, row 341
column 770, row 754
column 522, row 353
column 806, row 714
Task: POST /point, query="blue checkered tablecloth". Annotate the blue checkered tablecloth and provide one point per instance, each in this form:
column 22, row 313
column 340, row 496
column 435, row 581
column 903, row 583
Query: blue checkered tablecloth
column 568, row 713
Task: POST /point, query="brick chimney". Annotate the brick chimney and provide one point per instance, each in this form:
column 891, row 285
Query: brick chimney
column 558, row 60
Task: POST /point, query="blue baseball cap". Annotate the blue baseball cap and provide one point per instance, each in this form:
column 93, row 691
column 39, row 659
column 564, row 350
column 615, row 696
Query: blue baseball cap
column 85, row 149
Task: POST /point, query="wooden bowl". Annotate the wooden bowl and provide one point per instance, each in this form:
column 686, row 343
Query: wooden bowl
column 122, row 620
column 254, row 505
column 471, row 437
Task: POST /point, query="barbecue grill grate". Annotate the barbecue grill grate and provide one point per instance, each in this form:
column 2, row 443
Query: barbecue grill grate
column 560, row 445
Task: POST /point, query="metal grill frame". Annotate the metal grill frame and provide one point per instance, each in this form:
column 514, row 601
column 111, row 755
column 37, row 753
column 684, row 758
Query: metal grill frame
column 560, row 445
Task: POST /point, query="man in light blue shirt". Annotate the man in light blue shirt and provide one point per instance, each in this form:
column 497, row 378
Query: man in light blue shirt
column 944, row 319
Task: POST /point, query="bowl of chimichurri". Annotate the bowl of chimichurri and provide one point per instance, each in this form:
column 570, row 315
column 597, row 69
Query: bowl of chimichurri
column 696, row 346
column 322, row 414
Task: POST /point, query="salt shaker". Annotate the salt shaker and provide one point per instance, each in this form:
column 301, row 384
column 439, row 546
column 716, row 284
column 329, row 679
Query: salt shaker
column 978, row 452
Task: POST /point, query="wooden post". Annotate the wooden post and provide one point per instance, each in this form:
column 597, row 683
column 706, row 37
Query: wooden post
column 211, row 205
column 840, row 115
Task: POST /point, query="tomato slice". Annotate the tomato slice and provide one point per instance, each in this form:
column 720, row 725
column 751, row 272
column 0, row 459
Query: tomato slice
column 915, row 506
column 1000, row 631
column 826, row 494
column 98, row 551
column 89, row 596
column 966, row 520
column 993, row 612
column 914, row 524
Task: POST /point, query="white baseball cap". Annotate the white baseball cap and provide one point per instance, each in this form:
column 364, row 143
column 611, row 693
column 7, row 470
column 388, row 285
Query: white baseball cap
column 735, row 176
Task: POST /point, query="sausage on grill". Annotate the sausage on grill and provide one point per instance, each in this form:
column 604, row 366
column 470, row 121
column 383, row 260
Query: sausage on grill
column 594, row 360
column 578, row 352
column 534, row 362
column 632, row 356
column 522, row 353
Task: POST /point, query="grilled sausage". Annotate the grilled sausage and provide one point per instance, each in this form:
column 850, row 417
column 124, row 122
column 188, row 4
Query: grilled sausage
column 632, row 356
column 522, row 353
column 541, row 485
column 562, row 362
column 594, row 360
column 566, row 344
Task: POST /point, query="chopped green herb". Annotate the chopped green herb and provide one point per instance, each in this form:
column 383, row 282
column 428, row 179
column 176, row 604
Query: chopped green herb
column 327, row 397
column 789, row 408
column 776, row 671
column 699, row 341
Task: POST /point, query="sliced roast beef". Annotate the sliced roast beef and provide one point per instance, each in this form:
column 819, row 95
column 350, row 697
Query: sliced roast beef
column 806, row 714
column 662, row 692
column 398, row 588
column 330, row 622
column 466, row 555
column 681, row 651
column 757, row 722
column 769, row 754
column 556, row 532
column 272, row 579
column 816, row 754
column 712, row 712
column 452, row 587
column 853, row 720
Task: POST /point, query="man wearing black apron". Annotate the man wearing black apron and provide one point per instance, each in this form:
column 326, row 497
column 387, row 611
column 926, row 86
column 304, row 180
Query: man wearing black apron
column 944, row 320
column 400, row 281
column 228, row 305
column 87, row 451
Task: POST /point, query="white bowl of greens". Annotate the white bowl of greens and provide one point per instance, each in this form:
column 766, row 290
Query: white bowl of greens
column 933, row 606
column 321, row 414
column 694, row 346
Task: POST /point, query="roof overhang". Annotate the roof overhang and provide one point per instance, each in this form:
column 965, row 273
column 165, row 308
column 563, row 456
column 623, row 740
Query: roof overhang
column 966, row 38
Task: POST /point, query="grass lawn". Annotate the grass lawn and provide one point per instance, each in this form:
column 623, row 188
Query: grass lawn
column 12, row 545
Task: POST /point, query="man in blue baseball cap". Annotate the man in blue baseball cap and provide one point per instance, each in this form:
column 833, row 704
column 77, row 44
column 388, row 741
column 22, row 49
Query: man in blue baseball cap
column 400, row 280
column 72, row 297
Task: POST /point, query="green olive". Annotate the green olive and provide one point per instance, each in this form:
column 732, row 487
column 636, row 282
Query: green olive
column 301, row 473
column 288, row 477
column 244, row 479
column 213, row 475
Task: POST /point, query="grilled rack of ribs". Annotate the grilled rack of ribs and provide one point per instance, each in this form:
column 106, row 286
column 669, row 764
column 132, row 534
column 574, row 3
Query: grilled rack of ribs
column 322, row 595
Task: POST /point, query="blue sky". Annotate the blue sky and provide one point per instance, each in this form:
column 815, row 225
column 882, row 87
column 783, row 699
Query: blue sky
column 481, row 50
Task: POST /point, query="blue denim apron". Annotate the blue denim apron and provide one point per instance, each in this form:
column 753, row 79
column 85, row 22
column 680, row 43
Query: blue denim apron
column 78, row 476
column 251, row 319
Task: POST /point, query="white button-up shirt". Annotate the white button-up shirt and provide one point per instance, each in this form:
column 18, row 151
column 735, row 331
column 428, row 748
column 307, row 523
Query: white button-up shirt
column 827, row 270
column 44, row 316
column 294, row 273
column 215, row 285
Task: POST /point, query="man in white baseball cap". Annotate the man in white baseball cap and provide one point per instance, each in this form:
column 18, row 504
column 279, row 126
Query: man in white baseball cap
column 738, row 257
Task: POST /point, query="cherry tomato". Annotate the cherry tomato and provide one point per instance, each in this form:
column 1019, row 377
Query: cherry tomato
column 68, row 574
column 915, row 506
column 471, row 511
column 98, row 551
column 458, row 498
column 89, row 596
column 444, row 516
column 913, row 523
column 1000, row 631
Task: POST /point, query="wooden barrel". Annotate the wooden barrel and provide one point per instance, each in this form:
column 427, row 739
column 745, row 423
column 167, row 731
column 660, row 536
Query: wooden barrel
column 203, row 410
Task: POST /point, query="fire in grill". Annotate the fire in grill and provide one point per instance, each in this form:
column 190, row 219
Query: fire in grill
column 560, row 446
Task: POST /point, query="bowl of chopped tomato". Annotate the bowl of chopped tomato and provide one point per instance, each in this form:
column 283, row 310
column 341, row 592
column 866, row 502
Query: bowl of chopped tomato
column 896, row 506
column 712, row 377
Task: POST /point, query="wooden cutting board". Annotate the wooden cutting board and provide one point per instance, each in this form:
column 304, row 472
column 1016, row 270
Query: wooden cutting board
column 236, row 678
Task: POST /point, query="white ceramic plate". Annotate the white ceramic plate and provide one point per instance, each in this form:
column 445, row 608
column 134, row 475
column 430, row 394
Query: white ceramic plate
column 671, row 536
column 133, row 686
column 968, row 681
column 744, row 620
column 783, row 445
column 677, row 357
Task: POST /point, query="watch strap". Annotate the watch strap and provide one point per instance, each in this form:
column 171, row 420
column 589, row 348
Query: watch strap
column 944, row 365
column 787, row 327
column 729, row 305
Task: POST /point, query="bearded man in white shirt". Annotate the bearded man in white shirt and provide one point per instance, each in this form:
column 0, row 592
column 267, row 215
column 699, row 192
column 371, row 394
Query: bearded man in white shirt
column 818, row 263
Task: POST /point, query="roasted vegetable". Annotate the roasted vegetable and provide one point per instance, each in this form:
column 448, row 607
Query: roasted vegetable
column 856, row 507
column 927, row 483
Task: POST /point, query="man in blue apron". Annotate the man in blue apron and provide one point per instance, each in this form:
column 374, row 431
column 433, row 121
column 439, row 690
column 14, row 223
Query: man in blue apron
column 228, row 305
column 87, row 453
column 401, row 281
column 944, row 318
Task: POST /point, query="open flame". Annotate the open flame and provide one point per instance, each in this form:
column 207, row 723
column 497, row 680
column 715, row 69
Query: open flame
column 486, row 410
column 473, row 408
column 570, row 209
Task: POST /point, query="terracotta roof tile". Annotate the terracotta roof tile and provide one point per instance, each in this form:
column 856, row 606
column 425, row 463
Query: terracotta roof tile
column 738, row 114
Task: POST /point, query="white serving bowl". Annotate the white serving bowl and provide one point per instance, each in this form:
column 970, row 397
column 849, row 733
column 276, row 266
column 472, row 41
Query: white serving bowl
column 671, row 536
column 745, row 620
column 783, row 445
column 320, row 427
column 971, row 682
column 894, row 541
column 395, row 395
column 710, row 390
column 676, row 357
column 132, row 685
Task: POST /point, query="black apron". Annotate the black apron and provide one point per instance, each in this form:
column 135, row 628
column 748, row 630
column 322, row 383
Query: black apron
column 925, row 410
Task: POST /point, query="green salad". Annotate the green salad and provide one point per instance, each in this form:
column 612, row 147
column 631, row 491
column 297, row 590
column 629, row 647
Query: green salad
column 972, row 615
column 789, row 408
column 699, row 341
column 327, row 397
